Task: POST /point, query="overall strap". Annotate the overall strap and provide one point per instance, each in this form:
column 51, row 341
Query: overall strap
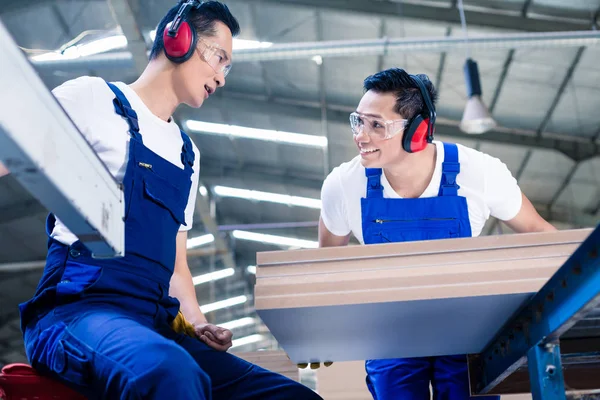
column 123, row 108
column 187, row 152
column 450, row 169
column 374, row 188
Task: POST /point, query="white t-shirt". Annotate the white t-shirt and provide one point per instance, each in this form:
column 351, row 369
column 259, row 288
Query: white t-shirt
column 486, row 182
column 88, row 102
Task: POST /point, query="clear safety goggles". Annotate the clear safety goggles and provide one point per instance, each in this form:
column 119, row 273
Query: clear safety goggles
column 215, row 56
column 376, row 128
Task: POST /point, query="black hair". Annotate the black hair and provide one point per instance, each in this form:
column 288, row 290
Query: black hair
column 409, row 101
column 203, row 18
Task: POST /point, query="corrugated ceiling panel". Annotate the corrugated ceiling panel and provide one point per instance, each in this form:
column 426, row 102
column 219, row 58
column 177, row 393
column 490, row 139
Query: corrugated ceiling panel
column 544, row 175
column 583, row 192
column 532, row 82
column 577, row 112
column 283, row 23
column 297, row 79
column 36, row 28
column 512, row 156
column 583, row 5
column 344, row 77
column 245, row 77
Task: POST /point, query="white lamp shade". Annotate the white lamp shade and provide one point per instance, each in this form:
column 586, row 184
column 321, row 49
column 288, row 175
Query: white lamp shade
column 476, row 118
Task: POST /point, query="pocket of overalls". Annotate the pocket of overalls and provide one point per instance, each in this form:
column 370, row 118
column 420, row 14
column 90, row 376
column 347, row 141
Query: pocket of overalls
column 72, row 360
column 404, row 231
column 167, row 196
column 77, row 277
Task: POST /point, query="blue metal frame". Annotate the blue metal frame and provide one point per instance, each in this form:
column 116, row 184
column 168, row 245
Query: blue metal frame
column 545, row 372
column 565, row 299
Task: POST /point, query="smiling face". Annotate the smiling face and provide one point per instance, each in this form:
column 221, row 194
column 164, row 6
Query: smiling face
column 377, row 152
column 204, row 72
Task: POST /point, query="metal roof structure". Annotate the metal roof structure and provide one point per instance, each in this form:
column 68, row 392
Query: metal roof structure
column 544, row 92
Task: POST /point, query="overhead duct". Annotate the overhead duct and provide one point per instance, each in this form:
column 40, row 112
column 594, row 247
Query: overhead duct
column 22, row 266
column 346, row 48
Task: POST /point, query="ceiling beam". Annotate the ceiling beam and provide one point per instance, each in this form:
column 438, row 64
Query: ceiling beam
column 261, row 37
column 564, row 185
column 203, row 211
column 525, row 9
column 441, row 65
column 323, row 98
column 126, row 16
column 563, row 86
column 577, row 149
column 382, row 35
column 512, row 20
column 500, row 85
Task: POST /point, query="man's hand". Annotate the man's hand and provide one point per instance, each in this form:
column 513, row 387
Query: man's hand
column 214, row 336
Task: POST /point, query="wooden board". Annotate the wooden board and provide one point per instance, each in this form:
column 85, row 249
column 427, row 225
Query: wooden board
column 403, row 299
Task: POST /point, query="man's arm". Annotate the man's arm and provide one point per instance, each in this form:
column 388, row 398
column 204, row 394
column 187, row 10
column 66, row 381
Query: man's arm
column 528, row 219
column 328, row 239
column 182, row 288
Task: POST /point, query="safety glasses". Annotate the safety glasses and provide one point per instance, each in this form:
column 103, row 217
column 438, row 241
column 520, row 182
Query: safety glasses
column 215, row 56
column 376, row 128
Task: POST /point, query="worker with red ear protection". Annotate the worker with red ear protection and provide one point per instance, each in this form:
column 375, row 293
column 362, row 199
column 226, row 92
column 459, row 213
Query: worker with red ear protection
column 131, row 327
column 405, row 186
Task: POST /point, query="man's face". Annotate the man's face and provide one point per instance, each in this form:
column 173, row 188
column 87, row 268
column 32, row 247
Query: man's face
column 377, row 152
column 204, row 72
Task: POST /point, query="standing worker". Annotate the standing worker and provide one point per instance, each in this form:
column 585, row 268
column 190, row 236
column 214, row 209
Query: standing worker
column 104, row 327
column 406, row 187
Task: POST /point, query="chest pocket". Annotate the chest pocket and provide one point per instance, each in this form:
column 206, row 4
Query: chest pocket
column 162, row 202
column 163, row 196
column 390, row 230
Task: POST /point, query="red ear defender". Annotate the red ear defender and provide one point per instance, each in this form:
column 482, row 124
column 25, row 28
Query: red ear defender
column 415, row 135
column 419, row 139
column 179, row 48
column 420, row 130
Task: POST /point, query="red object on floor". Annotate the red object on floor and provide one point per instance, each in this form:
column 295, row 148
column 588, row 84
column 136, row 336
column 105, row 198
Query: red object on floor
column 22, row 382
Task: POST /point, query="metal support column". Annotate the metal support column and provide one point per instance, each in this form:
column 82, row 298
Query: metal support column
column 545, row 372
column 571, row 293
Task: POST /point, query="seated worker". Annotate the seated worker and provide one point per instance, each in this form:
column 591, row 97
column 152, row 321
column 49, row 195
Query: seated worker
column 104, row 327
column 403, row 186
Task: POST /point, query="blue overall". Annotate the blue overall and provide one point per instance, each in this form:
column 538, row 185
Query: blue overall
column 102, row 326
column 387, row 220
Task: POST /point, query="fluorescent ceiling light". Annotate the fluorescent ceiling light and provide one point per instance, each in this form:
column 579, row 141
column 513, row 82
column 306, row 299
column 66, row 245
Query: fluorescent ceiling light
column 213, row 276
column 272, row 239
column 247, row 340
column 238, row 44
column 223, row 304
column 200, row 240
column 203, row 191
column 251, row 269
column 242, row 44
column 260, row 134
column 87, row 49
column 225, row 191
column 238, row 323
column 117, row 42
